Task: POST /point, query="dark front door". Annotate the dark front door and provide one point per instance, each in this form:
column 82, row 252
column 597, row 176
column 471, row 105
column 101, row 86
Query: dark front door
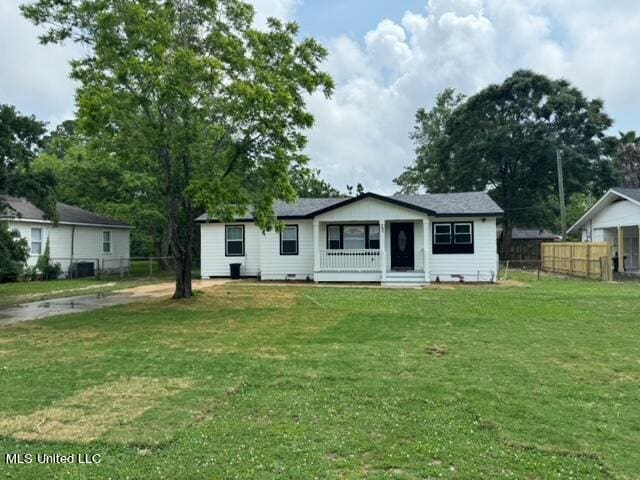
column 402, row 246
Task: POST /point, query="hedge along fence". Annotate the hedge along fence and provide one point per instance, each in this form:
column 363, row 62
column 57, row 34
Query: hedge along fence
column 578, row 259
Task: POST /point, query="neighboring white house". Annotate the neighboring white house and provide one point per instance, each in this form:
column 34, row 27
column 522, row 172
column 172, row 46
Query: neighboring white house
column 80, row 236
column 404, row 239
column 615, row 219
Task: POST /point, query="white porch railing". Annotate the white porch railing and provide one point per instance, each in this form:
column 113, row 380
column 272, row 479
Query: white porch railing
column 352, row 260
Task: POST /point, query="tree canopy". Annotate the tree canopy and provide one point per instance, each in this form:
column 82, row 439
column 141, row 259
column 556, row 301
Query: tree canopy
column 93, row 176
column 504, row 139
column 308, row 184
column 429, row 137
column 627, row 159
column 210, row 107
column 20, row 139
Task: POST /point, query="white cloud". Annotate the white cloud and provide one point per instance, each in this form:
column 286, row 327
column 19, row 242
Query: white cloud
column 386, row 46
column 34, row 77
column 362, row 133
column 281, row 9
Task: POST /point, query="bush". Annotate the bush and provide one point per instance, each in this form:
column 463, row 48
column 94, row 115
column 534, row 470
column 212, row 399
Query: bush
column 29, row 274
column 49, row 271
column 14, row 252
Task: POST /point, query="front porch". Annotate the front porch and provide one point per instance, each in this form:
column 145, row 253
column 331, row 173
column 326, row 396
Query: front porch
column 625, row 241
column 389, row 251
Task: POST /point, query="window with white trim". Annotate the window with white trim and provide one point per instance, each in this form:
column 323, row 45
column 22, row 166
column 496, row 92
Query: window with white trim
column 354, row 237
column 452, row 237
column 106, row 241
column 442, row 233
column 373, row 237
column 36, row 241
column 334, row 237
column 234, row 240
column 289, row 240
column 462, row 233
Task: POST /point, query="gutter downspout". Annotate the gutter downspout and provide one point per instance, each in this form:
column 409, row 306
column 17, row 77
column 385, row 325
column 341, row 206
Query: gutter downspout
column 73, row 235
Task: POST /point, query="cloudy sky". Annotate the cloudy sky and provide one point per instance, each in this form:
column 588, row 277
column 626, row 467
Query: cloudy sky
column 388, row 58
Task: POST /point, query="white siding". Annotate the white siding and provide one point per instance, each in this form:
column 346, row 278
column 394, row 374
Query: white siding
column 479, row 266
column 623, row 213
column 214, row 262
column 370, row 210
column 348, row 277
column 87, row 243
column 263, row 250
column 274, row 266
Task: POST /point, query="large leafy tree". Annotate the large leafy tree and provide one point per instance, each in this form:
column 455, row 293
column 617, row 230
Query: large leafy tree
column 20, row 139
column 91, row 175
column 429, row 137
column 505, row 138
column 308, row 183
column 627, row 159
column 212, row 107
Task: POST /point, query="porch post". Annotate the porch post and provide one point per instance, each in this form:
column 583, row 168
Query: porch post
column 620, row 249
column 383, row 252
column 316, row 248
column 426, row 238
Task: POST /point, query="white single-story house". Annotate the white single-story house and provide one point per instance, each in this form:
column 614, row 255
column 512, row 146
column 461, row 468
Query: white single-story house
column 80, row 237
column 615, row 219
column 401, row 239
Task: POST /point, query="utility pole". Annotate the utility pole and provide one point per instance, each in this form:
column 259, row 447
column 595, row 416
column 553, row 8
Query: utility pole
column 563, row 209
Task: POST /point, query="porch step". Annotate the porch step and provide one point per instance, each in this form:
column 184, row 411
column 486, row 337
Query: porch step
column 404, row 275
column 404, row 279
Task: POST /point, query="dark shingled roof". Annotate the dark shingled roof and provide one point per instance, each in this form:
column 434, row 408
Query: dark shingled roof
column 22, row 208
column 443, row 204
column 465, row 203
column 633, row 193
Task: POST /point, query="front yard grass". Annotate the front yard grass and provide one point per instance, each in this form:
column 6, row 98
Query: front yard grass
column 536, row 380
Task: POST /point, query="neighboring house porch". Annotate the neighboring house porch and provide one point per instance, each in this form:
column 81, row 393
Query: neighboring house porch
column 615, row 219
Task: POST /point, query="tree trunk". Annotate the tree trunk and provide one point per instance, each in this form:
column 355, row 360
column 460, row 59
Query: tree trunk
column 163, row 250
column 183, row 275
column 180, row 225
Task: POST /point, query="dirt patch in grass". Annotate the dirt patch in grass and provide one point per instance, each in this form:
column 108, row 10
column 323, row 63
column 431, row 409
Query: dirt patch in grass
column 248, row 297
column 436, row 351
column 87, row 415
column 512, row 283
column 166, row 289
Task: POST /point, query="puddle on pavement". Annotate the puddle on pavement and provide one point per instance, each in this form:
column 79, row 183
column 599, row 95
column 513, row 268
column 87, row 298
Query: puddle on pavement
column 61, row 306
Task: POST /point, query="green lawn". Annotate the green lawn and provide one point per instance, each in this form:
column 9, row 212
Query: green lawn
column 536, row 380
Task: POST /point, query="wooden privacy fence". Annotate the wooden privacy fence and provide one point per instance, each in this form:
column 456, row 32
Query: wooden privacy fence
column 577, row 259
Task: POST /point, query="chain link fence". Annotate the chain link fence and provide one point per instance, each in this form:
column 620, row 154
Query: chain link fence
column 592, row 269
column 118, row 267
